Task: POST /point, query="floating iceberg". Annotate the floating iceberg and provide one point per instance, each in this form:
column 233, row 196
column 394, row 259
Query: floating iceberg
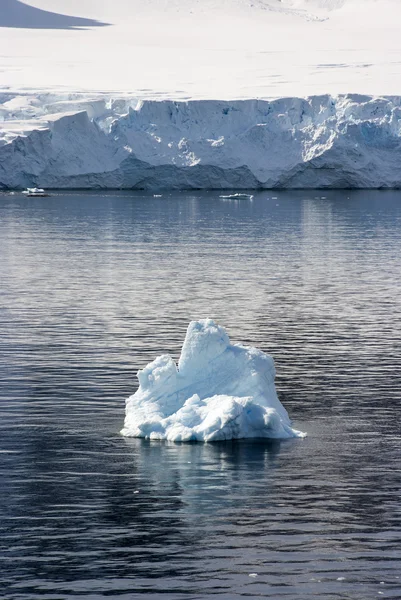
column 220, row 391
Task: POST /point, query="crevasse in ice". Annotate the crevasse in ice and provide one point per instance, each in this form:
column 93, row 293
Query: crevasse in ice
column 220, row 391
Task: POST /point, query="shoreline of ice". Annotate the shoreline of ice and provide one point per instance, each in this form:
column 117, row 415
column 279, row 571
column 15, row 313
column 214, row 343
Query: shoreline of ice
column 220, row 391
column 78, row 141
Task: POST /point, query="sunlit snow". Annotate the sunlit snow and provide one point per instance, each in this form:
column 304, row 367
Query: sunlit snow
column 181, row 49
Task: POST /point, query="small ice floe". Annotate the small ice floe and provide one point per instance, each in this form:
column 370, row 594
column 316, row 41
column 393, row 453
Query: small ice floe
column 157, row 195
column 252, row 575
column 340, row 578
column 220, row 391
column 237, row 197
column 35, row 192
column 136, row 492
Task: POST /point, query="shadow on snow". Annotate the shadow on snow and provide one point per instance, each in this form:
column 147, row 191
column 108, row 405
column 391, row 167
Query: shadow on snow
column 14, row 13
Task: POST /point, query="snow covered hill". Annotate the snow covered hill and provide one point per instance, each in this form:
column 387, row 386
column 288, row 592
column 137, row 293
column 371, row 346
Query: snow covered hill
column 185, row 49
column 161, row 94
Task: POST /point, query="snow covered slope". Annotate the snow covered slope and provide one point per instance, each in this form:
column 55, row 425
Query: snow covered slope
column 219, row 392
column 79, row 80
column 121, row 142
column 185, row 49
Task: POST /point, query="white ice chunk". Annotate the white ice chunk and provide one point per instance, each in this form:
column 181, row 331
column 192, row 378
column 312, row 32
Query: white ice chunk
column 237, row 197
column 220, row 391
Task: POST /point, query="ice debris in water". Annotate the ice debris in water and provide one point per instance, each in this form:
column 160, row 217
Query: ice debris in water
column 237, row 197
column 220, row 391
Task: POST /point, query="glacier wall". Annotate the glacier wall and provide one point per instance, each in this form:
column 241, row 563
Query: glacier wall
column 74, row 141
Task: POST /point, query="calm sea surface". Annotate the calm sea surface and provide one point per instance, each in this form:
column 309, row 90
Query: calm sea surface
column 92, row 287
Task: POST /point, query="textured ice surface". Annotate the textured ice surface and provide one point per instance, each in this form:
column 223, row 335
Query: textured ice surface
column 100, row 141
column 220, row 391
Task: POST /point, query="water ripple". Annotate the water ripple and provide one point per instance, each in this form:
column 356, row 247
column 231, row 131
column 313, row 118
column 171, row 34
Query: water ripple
column 92, row 288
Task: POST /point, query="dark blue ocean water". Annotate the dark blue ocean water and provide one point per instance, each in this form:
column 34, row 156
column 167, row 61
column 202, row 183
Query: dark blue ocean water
column 95, row 285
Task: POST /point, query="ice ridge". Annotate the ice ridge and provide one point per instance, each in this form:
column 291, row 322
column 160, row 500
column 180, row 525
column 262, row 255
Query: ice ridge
column 348, row 141
column 220, row 391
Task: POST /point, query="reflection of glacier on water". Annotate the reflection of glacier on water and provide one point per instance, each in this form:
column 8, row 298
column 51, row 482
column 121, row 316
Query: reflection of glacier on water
column 219, row 392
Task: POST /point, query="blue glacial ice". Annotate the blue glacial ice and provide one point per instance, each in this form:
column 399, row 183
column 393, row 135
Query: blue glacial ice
column 220, row 391
column 346, row 141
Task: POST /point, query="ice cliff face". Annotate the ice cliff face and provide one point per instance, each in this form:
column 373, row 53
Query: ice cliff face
column 219, row 392
column 98, row 142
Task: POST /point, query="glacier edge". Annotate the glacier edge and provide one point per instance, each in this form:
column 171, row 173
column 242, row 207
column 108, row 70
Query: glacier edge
column 74, row 141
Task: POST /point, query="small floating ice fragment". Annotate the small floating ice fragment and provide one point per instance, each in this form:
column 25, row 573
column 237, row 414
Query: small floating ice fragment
column 35, row 192
column 237, row 197
column 220, row 391
column 252, row 575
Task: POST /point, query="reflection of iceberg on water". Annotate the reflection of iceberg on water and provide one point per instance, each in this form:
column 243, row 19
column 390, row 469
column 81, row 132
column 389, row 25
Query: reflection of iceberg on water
column 219, row 392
